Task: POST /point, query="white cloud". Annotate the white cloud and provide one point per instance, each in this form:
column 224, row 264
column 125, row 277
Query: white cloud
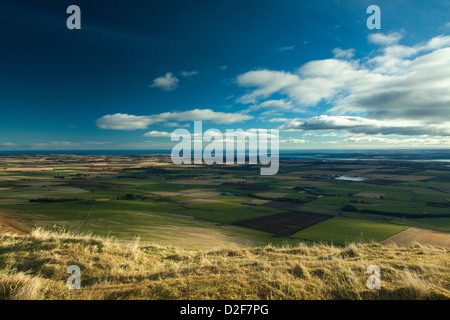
column 167, row 82
column 273, row 106
column 368, row 126
column 385, row 39
column 188, row 73
column 400, row 84
column 277, row 120
column 176, row 125
column 400, row 142
column 267, row 82
column 279, row 104
column 293, row 140
column 120, row 121
column 157, row 134
column 343, row 54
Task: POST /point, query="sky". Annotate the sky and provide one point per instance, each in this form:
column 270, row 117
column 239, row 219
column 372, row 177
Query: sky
column 138, row 70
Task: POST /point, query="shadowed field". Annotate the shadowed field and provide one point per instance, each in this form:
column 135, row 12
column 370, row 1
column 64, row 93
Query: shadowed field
column 286, row 223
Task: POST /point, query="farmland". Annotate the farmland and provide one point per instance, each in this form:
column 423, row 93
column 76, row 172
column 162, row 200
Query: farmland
column 204, row 206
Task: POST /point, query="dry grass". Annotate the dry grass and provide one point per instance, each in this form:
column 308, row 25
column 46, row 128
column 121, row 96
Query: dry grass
column 410, row 236
column 20, row 286
column 34, row 267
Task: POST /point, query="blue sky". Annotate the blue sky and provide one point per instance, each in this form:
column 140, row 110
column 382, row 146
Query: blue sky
column 136, row 72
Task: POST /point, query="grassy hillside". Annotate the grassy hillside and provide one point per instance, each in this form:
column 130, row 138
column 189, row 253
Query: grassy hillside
column 34, row 267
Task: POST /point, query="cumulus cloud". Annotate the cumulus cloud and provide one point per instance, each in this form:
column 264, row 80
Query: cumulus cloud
column 157, row 134
column 385, row 39
column 277, row 119
column 273, row 106
column 267, row 82
column 293, row 140
column 364, row 139
column 176, row 125
column 167, row 82
column 343, row 54
column 120, row 121
column 188, row 73
column 399, row 84
column 368, row 126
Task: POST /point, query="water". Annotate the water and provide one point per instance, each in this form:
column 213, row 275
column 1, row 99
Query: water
column 350, row 178
column 284, row 154
column 89, row 152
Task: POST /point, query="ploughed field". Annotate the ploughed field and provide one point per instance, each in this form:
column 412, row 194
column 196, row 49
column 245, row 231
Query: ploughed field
column 222, row 205
column 285, row 223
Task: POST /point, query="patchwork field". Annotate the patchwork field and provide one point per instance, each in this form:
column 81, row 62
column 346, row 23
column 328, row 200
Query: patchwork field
column 203, row 206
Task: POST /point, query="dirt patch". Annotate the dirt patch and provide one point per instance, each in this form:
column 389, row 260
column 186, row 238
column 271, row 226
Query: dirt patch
column 286, row 223
column 167, row 193
column 272, row 195
column 408, row 237
column 203, row 194
column 83, row 184
column 30, row 169
column 258, row 202
column 192, row 190
column 63, row 189
column 8, row 225
column 402, row 178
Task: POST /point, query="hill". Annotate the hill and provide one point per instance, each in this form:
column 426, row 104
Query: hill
column 34, row 267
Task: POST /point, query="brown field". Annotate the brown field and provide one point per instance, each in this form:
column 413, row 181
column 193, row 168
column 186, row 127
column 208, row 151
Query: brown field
column 195, row 182
column 29, row 169
column 409, row 237
column 258, row 202
column 8, row 225
column 317, row 183
column 272, row 195
column 286, row 223
column 284, row 205
column 195, row 202
column 167, row 193
column 393, row 177
column 203, row 194
column 65, row 189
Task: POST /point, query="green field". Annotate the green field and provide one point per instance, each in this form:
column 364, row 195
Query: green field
column 196, row 206
column 341, row 231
